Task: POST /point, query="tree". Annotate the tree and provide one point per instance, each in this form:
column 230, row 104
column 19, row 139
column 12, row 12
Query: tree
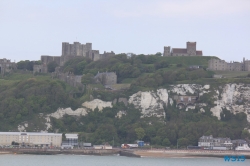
column 88, row 78
column 158, row 54
column 106, row 133
column 183, row 142
column 52, row 66
column 179, row 65
column 245, row 134
column 166, row 142
column 156, row 140
column 140, row 133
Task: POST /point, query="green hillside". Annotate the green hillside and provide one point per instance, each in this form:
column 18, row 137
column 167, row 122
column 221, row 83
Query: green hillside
column 24, row 97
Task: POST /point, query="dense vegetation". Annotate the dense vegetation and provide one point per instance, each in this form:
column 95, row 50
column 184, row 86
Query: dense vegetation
column 24, row 96
column 185, row 127
column 27, row 65
column 142, row 70
column 22, row 100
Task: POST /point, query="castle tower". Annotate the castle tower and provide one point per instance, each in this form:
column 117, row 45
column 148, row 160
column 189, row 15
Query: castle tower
column 191, row 48
column 77, row 48
column 65, row 49
column 244, row 65
column 166, row 51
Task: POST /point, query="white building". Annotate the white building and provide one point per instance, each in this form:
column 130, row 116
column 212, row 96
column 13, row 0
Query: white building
column 31, row 138
column 71, row 139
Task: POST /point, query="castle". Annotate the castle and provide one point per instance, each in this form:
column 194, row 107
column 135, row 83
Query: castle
column 106, row 78
column 6, row 66
column 221, row 65
column 189, row 51
column 70, row 51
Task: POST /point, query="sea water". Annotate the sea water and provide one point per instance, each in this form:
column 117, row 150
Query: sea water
column 75, row 160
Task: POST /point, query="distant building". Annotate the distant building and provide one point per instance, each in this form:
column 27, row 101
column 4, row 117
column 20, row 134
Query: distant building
column 217, row 76
column 189, row 51
column 216, row 143
column 70, row 51
column 194, row 67
column 206, row 141
column 221, row 65
column 31, row 138
column 6, row 66
column 183, row 101
column 106, row 78
column 71, row 139
column 238, row 142
column 69, row 78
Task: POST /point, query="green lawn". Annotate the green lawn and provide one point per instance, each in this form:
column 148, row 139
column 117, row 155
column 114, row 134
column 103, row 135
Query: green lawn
column 232, row 74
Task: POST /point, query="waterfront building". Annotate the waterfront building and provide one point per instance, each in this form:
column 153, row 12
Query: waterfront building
column 240, row 144
column 215, row 143
column 30, row 139
column 71, row 139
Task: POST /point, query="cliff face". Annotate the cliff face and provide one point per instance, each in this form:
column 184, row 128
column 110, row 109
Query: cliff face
column 150, row 103
column 232, row 97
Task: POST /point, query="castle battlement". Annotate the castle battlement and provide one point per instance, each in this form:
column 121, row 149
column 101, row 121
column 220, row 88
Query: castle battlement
column 190, row 50
column 70, row 51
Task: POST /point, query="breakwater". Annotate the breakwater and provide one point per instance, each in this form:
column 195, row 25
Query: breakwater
column 99, row 152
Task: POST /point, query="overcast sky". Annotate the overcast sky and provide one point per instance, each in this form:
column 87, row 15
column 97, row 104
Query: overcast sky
column 31, row 28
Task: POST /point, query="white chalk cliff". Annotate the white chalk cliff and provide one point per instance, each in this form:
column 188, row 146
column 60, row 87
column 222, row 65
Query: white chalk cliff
column 233, row 97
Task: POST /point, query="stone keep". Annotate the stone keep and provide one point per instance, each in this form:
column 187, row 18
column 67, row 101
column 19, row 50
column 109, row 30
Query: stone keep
column 167, row 51
column 190, row 50
column 70, row 51
column 77, row 49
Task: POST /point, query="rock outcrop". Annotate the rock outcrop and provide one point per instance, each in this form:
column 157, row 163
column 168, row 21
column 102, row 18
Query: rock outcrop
column 97, row 103
column 150, row 103
column 232, row 97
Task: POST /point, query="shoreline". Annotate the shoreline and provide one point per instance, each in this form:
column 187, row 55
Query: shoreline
column 189, row 153
column 131, row 153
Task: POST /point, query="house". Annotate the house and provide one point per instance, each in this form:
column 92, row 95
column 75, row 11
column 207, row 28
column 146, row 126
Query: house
column 71, row 139
column 184, row 101
column 208, row 142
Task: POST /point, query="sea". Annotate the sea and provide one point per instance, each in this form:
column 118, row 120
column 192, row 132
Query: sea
column 82, row 160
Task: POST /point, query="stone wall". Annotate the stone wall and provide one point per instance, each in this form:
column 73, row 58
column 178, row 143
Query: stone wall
column 71, row 79
column 191, row 48
column 6, row 66
column 106, row 78
column 221, row 65
column 167, row 51
column 40, row 68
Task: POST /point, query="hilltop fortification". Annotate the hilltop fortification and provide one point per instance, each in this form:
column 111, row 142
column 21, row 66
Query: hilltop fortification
column 222, row 65
column 6, row 66
column 189, row 51
column 70, row 51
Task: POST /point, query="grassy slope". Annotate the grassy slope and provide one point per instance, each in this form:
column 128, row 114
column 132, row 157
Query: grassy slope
column 186, row 61
column 231, row 74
